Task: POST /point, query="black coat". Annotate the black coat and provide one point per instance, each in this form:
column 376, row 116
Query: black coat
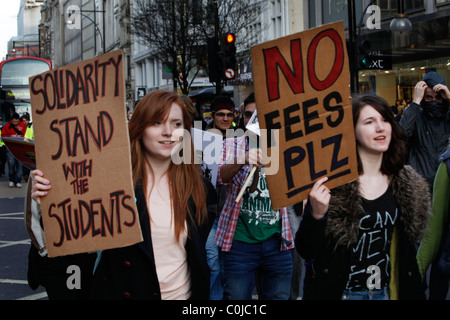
column 427, row 138
column 325, row 244
column 130, row 272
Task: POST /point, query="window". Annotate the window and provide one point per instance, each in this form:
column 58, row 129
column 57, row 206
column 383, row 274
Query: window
column 389, row 7
column 254, row 27
column 413, row 5
column 17, row 72
column 335, row 10
column 276, row 19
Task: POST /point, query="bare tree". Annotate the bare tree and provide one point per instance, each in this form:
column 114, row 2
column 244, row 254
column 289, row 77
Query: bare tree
column 176, row 31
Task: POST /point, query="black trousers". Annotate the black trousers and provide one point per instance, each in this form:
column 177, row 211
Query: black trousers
column 53, row 274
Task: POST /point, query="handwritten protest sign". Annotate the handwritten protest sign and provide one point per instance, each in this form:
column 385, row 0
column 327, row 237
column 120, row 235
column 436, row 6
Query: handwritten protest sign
column 302, row 90
column 82, row 146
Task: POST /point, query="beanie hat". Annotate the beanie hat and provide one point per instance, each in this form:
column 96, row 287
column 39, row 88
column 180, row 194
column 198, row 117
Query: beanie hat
column 249, row 99
column 433, row 78
column 222, row 102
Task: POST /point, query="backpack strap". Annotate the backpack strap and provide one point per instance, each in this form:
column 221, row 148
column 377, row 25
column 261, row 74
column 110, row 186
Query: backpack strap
column 15, row 129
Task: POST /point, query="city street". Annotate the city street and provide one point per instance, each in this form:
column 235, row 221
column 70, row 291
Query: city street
column 14, row 246
column 337, row 86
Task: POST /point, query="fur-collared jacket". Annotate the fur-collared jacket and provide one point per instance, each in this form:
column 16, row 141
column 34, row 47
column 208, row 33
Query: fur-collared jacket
column 326, row 244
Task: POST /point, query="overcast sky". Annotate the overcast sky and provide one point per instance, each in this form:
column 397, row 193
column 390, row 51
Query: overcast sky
column 8, row 23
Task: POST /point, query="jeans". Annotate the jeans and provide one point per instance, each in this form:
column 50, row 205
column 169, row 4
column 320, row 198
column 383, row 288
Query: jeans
column 3, row 159
column 247, row 263
column 373, row 294
column 213, row 258
column 14, row 169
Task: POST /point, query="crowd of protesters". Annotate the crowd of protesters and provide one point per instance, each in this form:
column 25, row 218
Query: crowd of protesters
column 199, row 243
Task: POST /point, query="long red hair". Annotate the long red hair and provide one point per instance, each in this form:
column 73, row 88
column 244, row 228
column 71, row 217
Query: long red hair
column 185, row 179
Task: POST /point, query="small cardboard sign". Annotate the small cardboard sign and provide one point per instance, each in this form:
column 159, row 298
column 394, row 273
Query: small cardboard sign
column 302, row 91
column 82, row 147
column 208, row 145
column 253, row 124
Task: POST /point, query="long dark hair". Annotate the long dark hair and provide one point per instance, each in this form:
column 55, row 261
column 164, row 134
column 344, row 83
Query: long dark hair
column 395, row 157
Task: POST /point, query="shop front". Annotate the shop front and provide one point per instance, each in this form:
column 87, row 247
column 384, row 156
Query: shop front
column 405, row 58
column 398, row 83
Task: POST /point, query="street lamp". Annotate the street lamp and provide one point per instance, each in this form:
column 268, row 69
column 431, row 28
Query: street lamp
column 71, row 21
column 400, row 28
column 400, row 23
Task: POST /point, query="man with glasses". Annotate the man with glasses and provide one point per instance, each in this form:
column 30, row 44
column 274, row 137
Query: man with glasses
column 222, row 108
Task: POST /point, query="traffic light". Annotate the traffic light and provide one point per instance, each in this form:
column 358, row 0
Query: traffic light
column 214, row 61
column 363, row 54
column 372, row 60
column 229, row 56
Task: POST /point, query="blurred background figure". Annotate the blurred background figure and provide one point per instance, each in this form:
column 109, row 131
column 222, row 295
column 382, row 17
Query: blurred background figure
column 14, row 128
column 427, row 125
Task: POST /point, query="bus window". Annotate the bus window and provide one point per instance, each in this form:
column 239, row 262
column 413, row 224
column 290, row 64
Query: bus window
column 14, row 84
column 17, row 72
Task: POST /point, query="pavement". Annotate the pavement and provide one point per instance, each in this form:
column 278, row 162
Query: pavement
column 7, row 192
column 14, row 245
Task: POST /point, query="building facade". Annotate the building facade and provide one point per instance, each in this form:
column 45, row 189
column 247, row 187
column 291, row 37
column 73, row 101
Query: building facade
column 273, row 19
column 277, row 18
column 75, row 30
column 26, row 43
column 403, row 57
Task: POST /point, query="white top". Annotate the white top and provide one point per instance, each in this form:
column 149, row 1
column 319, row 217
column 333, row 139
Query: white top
column 170, row 255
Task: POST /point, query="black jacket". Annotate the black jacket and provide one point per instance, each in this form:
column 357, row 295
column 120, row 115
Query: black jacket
column 326, row 244
column 130, row 272
column 427, row 138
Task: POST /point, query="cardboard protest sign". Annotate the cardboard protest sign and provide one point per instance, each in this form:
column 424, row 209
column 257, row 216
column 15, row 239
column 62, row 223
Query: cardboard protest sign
column 22, row 149
column 82, row 146
column 302, row 92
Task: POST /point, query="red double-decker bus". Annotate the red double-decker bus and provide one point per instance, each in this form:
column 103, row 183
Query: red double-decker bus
column 14, row 86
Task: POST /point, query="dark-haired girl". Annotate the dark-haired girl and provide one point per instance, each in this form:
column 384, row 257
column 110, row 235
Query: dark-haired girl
column 359, row 240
